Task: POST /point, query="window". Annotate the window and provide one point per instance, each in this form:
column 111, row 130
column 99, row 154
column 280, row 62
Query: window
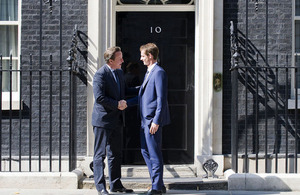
column 9, row 49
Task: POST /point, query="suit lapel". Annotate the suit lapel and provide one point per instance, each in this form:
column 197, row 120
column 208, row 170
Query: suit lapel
column 111, row 76
column 112, row 81
column 150, row 74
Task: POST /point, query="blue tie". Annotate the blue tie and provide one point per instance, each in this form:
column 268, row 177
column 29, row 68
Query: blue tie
column 146, row 75
column 117, row 79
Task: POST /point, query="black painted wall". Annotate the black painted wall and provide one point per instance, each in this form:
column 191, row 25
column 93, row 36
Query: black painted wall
column 74, row 12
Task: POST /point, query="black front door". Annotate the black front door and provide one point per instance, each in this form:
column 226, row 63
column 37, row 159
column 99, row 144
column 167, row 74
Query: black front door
column 173, row 32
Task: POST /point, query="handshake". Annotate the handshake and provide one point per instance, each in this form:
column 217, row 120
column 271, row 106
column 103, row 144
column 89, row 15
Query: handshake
column 122, row 104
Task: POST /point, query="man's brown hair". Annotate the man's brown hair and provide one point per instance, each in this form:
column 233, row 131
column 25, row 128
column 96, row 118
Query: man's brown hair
column 110, row 53
column 150, row 48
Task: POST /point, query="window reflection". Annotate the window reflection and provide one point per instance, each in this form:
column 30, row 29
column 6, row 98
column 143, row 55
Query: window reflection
column 297, row 7
column 8, row 10
column 297, row 36
column 9, row 41
column 6, row 73
column 9, row 44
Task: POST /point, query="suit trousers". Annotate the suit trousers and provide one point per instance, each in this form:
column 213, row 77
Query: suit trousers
column 151, row 151
column 108, row 142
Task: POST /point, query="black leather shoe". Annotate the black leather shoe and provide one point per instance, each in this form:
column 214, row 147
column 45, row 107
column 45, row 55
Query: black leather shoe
column 124, row 190
column 154, row 192
column 103, row 192
column 164, row 189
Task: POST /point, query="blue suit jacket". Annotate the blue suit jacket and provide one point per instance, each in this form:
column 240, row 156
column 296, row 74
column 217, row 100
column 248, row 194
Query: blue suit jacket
column 105, row 112
column 152, row 98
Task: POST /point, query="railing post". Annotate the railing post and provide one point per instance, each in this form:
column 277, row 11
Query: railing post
column 71, row 119
column 296, row 117
column 72, row 67
column 1, row 113
column 234, row 119
column 234, row 99
column 10, row 113
column 20, row 115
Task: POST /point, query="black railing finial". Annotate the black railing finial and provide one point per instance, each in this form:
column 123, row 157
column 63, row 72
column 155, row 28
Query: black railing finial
column 256, row 4
column 235, row 55
column 50, row 4
column 73, row 50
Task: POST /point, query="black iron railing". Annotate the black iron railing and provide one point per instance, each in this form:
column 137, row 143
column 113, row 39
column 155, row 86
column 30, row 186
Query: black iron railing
column 264, row 106
column 264, row 103
column 37, row 120
column 264, row 126
column 37, row 129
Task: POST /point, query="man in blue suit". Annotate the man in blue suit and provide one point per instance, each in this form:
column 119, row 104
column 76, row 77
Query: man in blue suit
column 154, row 113
column 107, row 120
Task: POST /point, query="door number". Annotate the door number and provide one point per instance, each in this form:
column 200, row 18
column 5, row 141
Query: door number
column 155, row 30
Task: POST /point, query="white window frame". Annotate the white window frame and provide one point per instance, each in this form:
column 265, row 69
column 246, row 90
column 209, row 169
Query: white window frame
column 15, row 94
column 291, row 102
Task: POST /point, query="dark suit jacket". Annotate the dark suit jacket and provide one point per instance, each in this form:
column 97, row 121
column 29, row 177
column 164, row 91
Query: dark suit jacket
column 152, row 98
column 105, row 112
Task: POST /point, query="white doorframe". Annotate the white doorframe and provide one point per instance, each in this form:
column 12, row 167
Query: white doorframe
column 208, row 103
column 208, row 60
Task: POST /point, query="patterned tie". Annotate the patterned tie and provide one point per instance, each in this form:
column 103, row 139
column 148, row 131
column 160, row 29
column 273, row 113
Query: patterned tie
column 117, row 80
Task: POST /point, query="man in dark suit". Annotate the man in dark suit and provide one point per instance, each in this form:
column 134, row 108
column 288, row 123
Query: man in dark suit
column 154, row 113
column 107, row 120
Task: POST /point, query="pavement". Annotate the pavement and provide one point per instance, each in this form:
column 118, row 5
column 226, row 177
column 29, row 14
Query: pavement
column 4, row 191
column 178, row 180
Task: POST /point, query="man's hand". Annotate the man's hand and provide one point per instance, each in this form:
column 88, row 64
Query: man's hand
column 153, row 128
column 122, row 104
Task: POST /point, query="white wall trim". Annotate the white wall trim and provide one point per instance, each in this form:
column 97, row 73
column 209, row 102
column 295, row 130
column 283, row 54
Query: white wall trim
column 93, row 61
column 218, row 68
column 100, row 27
column 203, row 77
column 208, row 103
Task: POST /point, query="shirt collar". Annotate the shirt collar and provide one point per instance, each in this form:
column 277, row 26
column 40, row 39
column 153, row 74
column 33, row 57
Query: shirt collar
column 110, row 68
column 151, row 67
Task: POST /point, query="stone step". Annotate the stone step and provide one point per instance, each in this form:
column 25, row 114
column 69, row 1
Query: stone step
column 141, row 171
column 170, row 171
column 170, row 183
column 181, row 177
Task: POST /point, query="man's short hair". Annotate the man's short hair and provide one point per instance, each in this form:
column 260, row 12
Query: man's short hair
column 110, row 53
column 150, row 48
